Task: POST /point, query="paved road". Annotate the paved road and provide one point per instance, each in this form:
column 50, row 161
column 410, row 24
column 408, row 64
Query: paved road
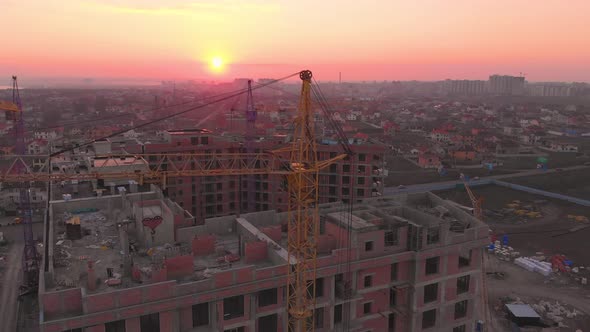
column 11, row 280
column 388, row 191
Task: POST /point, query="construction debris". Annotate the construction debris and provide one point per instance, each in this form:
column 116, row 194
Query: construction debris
column 555, row 311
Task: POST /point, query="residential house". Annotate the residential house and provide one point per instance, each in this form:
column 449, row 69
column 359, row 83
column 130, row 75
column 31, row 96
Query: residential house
column 37, row 146
column 428, row 160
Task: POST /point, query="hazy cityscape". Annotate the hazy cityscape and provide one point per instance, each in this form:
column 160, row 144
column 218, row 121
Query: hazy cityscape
column 299, row 174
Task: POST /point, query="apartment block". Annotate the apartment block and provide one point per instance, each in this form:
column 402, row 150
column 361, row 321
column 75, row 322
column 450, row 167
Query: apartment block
column 400, row 263
column 351, row 179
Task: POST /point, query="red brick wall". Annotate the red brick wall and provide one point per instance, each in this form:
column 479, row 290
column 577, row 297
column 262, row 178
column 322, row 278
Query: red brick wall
column 66, row 301
column 377, row 324
column 339, row 234
column 255, row 251
column 159, row 275
column 381, row 276
column 99, row 302
column 379, row 299
column 378, row 243
column 203, row 245
column 326, row 243
column 273, row 232
column 180, row 266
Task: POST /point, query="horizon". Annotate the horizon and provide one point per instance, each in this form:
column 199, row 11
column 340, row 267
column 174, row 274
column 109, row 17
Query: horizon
column 218, row 40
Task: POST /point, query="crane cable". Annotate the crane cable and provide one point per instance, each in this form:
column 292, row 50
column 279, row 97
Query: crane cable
column 344, row 144
column 217, row 99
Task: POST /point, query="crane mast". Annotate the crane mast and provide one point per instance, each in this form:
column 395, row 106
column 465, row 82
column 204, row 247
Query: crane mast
column 250, row 133
column 303, row 215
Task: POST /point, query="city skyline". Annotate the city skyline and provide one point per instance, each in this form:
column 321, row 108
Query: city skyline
column 383, row 40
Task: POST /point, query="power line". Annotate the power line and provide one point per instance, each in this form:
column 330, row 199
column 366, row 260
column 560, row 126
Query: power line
column 217, row 100
column 75, row 123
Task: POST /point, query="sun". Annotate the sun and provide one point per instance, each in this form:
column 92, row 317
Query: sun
column 217, row 63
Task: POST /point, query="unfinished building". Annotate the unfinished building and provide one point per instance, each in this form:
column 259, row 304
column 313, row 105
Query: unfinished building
column 135, row 263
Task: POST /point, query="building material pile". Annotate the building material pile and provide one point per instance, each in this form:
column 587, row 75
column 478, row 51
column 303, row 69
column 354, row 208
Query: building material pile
column 534, row 265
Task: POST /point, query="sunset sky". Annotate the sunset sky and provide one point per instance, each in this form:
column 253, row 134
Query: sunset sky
column 365, row 40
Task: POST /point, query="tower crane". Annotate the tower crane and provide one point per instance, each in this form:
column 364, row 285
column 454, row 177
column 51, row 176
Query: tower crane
column 476, row 202
column 14, row 112
column 301, row 170
column 250, row 133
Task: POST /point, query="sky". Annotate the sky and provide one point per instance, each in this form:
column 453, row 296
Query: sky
column 364, row 40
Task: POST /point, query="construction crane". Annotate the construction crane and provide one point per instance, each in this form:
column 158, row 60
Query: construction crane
column 301, row 170
column 476, row 202
column 14, row 112
column 250, row 136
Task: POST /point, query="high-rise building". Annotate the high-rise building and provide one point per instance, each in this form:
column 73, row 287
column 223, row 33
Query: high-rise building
column 506, row 85
column 401, row 263
column 464, row 87
column 550, row 89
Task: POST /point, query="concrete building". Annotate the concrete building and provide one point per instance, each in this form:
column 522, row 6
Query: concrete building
column 464, row 87
column 506, row 85
column 207, row 197
column 403, row 263
column 551, row 90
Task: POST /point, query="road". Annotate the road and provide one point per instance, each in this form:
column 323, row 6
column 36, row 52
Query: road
column 11, row 280
column 388, row 191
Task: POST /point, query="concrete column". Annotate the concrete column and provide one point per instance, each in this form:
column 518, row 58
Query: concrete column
column 253, row 309
column 216, row 315
column 186, row 318
column 132, row 325
column 123, row 239
column 169, row 321
column 91, row 276
column 132, row 186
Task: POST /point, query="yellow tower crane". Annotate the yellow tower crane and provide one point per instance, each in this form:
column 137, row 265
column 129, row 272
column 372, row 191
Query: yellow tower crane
column 301, row 171
column 476, row 202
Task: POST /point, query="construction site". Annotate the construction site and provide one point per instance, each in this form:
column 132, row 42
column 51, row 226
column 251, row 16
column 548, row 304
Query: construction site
column 127, row 258
column 197, row 233
column 414, row 264
column 539, row 251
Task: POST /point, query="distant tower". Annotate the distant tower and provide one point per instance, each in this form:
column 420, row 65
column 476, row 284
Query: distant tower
column 339, row 77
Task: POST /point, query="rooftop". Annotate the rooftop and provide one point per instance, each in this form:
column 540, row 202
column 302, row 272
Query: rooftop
column 133, row 239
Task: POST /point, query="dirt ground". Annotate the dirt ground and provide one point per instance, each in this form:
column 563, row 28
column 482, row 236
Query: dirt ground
column 548, row 234
column 399, row 163
column 530, row 288
column 573, row 183
column 10, row 272
column 555, row 159
column 419, row 175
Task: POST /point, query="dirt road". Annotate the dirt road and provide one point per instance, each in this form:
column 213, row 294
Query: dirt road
column 11, row 280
